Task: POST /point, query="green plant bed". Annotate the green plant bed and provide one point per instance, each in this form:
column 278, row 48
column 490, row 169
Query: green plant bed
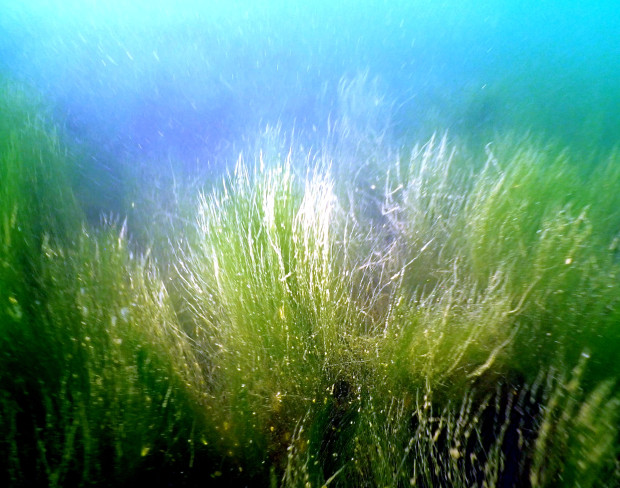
column 438, row 319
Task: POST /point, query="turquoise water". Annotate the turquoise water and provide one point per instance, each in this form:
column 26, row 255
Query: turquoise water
column 194, row 78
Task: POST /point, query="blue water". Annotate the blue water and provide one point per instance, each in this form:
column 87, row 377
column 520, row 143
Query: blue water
column 155, row 80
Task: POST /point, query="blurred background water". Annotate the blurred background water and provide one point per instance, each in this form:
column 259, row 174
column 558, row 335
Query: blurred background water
column 190, row 81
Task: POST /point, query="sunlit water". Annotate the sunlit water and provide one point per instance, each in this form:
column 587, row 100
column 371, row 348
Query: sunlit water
column 191, row 79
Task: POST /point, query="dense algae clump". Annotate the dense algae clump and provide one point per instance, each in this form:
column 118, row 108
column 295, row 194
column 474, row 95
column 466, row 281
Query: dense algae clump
column 438, row 319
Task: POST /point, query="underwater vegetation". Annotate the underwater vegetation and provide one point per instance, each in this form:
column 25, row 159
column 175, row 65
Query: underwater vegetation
column 360, row 313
